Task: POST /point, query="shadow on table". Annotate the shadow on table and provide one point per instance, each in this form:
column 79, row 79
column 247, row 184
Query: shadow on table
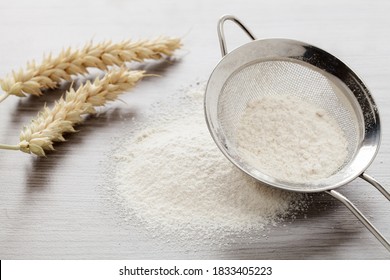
column 38, row 175
column 315, row 233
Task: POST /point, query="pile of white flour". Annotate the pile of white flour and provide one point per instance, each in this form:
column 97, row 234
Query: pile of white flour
column 171, row 178
column 291, row 140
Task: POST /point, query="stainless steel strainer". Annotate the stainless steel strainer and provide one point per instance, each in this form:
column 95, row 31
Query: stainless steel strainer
column 279, row 66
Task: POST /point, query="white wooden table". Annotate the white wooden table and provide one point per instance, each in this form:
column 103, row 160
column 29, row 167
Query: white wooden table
column 54, row 208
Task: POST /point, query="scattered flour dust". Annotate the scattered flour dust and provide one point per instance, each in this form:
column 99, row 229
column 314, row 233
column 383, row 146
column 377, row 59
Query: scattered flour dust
column 291, row 140
column 170, row 177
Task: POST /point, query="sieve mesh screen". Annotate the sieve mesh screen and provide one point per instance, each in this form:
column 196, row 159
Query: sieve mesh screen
column 288, row 77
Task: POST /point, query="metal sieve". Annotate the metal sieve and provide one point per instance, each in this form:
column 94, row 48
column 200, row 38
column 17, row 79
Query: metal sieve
column 283, row 66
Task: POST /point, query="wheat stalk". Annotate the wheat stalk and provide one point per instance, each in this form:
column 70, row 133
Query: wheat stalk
column 51, row 124
column 53, row 70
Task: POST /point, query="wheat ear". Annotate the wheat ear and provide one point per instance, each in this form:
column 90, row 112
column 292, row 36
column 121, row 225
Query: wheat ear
column 53, row 70
column 50, row 124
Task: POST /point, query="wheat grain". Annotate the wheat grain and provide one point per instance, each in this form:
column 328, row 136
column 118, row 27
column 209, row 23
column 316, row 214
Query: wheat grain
column 51, row 124
column 53, row 70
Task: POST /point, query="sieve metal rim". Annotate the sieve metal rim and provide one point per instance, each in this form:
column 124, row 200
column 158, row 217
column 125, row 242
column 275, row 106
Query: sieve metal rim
column 372, row 135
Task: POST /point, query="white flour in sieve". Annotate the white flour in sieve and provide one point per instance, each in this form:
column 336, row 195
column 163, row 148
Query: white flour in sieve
column 172, row 178
column 290, row 139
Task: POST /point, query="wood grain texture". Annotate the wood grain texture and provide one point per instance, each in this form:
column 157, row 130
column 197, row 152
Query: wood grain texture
column 55, row 208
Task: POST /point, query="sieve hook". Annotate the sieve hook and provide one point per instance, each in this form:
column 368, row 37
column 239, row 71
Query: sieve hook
column 221, row 33
column 360, row 216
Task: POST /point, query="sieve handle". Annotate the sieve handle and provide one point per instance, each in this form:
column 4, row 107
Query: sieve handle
column 221, row 33
column 376, row 184
column 361, row 217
